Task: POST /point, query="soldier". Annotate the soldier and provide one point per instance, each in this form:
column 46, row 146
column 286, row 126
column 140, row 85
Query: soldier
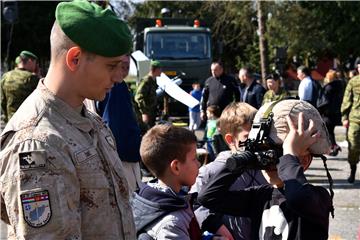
column 276, row 91
column 350, row 111
column 145, row 95
column 17, row 84
column 61, row 177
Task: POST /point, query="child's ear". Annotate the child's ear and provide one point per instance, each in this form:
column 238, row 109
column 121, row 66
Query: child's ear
column 174, row 167
column 229, row 139
column 73, row 58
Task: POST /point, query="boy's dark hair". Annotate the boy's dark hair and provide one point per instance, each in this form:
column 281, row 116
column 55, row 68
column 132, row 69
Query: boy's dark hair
column 214, row 109
column 164, row 143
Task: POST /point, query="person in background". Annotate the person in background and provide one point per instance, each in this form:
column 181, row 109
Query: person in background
column 276, row 91
column 118, row 113
column 61, row 177
column 251, row 92
column 17, row 85
column 220, row 89
column 308, row 88
column 194, row 113
column 350, row 112
column 213, row 113
column 235, row 124
column 145, row 96
column 330, row 108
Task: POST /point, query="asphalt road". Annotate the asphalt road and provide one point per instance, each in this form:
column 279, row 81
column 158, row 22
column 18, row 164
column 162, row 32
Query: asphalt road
column 346, row 224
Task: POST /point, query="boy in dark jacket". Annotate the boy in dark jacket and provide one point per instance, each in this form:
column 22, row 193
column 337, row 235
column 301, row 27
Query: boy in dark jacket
column 290, row 207
column 161, row 208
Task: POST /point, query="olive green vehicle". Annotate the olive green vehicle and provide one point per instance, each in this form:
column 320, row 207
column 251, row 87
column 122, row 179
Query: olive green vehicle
column 183, row 48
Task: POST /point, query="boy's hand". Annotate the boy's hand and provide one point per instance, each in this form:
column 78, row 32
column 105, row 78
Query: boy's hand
column 298, row 140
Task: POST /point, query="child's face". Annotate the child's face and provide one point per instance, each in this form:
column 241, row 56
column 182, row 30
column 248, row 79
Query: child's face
column 190, row 168
column 196, row 86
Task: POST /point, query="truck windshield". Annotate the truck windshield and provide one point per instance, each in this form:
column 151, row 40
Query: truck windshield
column 177, row 45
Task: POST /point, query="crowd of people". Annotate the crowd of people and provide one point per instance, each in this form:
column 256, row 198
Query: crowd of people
column 74, row 142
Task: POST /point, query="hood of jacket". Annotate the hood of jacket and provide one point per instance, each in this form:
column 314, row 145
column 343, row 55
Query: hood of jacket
column 153, row 201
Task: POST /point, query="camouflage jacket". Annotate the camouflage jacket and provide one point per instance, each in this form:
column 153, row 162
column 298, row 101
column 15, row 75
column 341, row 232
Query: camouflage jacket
column 350, row 107
column 145, row 96
column 16, row 86
column 270, row 96
column 60, row 174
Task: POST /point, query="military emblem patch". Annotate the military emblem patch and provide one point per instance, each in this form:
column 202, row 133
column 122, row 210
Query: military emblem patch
column 31, row 160
column 36, row 208
column 110, row 141
column 85, row 155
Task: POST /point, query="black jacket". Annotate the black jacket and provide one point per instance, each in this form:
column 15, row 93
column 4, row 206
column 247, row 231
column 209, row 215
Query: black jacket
column 333, row 93
column 254, row 95
column 297, row 211
column 219, row 91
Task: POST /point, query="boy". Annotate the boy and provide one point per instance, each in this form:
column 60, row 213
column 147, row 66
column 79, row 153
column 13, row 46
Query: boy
column 162, row 210
column 194, row 112
column 291, row 208
column 235, row 124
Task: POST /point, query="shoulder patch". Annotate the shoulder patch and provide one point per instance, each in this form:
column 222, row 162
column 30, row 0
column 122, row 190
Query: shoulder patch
column 32, row 160
column 36, row 208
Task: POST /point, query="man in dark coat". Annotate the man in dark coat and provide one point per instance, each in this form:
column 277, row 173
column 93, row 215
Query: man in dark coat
column 251, row 92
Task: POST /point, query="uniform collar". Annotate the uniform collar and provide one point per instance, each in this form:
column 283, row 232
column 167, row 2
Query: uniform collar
column 70, row 114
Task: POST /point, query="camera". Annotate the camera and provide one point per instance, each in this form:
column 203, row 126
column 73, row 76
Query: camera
column 260, row 152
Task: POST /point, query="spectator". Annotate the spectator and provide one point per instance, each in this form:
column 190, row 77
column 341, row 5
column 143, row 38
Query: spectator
column 61, row 177
column 213, row 113
column 220, row 89
column 17, row 85
column 290, row 207
column 118, row 113
column 161, row 208
column 251, row 92
column 235, row 124
column 194, row 113
column 333, row 93
column 276, row 91
column 145, row 95
column 350, row 111
column 308, row 88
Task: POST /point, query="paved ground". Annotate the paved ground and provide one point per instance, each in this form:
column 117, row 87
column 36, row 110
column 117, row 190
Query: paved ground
column 346, row 223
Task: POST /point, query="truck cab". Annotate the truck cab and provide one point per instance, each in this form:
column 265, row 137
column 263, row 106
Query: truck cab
column 183, row 47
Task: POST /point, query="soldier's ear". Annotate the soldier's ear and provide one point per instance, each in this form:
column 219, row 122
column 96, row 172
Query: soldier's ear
column 73, row 58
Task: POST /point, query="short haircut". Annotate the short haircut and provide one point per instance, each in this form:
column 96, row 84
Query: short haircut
column 215, row 110
column 305, row 70
column 60, row 43
column 248, row 71
column 235, row 116
column 164, row 143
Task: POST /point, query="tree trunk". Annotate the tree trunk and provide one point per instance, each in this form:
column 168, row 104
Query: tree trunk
column 262, row 43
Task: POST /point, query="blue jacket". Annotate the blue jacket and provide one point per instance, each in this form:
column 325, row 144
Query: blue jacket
column 254, row 95
column 118, row 113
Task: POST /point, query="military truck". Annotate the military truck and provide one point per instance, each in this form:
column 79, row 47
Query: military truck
column 182, row 46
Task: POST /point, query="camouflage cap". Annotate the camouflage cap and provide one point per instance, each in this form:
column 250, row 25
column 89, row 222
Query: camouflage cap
column 155, row 63
column 27, row 54
column 280, row 128
column 94, row 29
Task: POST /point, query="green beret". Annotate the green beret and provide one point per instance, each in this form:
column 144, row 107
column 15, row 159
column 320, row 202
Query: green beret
column 27, row 54
column 94, row 29
column 155, row 63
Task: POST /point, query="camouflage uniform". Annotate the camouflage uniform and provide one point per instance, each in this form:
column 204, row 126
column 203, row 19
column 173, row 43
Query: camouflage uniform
column 16, row 86
column 145, row 98
column 270, row 96
column 350, row 110
column 61, row 177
